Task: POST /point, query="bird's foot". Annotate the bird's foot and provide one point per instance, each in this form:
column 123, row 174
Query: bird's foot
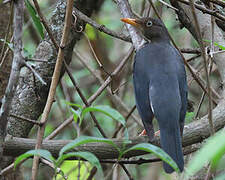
column 143, row 133
column 157, row 133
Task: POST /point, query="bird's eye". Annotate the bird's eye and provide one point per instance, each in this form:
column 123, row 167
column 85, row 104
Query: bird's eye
column 149, row 23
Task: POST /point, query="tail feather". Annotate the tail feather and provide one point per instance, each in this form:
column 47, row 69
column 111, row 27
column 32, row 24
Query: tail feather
column 171, row 144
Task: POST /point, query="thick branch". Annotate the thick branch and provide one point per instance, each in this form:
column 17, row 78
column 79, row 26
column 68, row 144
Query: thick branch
column 30, row 96
column 193, row 133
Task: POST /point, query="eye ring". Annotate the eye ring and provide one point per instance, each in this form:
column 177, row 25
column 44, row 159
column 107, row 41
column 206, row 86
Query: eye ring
column 149, row 23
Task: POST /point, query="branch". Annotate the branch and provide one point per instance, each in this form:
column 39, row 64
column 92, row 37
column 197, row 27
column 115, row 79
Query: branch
column 55, row 79
column 194, row 132
column 15, row 71
column 101, row 27
column 205, row 10
column 126, row 12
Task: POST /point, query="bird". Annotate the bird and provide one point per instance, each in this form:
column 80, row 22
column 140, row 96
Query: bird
column 160, row 87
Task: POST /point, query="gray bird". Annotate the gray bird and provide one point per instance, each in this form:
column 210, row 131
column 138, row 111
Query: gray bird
column 160, row 86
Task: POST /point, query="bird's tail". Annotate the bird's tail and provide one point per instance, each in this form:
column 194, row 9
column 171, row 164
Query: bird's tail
column 171, row 144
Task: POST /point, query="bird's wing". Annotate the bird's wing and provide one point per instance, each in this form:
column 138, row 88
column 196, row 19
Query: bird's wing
column 141, row 89
column 181, row 73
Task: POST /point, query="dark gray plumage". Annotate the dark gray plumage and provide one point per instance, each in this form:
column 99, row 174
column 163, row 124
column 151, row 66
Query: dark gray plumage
column 160, row 87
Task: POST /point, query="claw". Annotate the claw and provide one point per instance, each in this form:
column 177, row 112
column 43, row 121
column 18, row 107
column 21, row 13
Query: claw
column 143, row 133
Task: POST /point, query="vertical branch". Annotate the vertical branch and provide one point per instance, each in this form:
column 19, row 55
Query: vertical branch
column 126, row 12
column 205, row 65
column 55, row 79
column 15, row 71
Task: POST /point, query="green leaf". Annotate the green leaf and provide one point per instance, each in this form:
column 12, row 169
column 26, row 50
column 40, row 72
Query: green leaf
column 83, row 140
column 215, row 43
column 73, row 104
column 90, row 31
column 107, row 110
column 35, row 18
column 84, row 155
column 212, row 151
column 156, row 151
column 76, row 115
column 27, row 53
column 189, row 116
column 68, row 170
column 39, row 152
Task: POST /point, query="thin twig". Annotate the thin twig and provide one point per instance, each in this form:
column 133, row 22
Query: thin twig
column 205, row 10
column 190, row 51
column 205, row 66
column 197, row 79
column 126, row 171
column 34, row 59
column 95, row 56
column 60, row 128
column 55, row 79
column 26, row 119
column 84, row 100
column 210, row 169
column 15, row 71
column 92, row 173
column 218, row 2
column 35, row 73
column 7, row 32
column 99, row 27
column 126, row 118
column 43, row 20
column 194, row 57
column 5, row 54
column 168, row 5
column 107, row 82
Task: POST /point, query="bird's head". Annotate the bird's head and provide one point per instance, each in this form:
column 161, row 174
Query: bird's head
column 152, row 29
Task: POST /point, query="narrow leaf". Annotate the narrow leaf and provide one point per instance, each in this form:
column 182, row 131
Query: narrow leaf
column 107, row 110
column 39, row 152
column 212, row 150
column 83, row 140
column 73, row 104
column 76, row 115
column 35, row 18
column 84, row 155
column 156, row 151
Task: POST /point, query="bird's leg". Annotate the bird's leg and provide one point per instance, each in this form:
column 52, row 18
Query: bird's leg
column 149, row 132
column 157, row 133
column 144, row 133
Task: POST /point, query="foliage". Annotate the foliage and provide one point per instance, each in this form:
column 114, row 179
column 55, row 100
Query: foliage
column 212, row 152
column 35, row 18
column 90, row 157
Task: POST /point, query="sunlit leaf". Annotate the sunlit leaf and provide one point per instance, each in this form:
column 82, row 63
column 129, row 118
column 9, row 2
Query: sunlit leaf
column 68, row 170
column 84, row 155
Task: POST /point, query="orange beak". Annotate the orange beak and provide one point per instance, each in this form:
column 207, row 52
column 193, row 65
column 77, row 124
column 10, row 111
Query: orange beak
column 130, row 21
